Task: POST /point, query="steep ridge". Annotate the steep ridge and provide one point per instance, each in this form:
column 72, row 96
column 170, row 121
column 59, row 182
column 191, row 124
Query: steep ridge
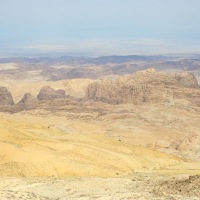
column 148, row 86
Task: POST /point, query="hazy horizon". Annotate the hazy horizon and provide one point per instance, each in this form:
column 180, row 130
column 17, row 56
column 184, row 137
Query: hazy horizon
column 89, row 28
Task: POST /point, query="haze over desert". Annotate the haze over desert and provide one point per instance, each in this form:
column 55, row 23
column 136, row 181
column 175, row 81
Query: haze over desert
column 99, row 100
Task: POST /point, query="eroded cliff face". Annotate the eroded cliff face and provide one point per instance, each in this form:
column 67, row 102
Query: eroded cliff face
column 48, row 93
column 143, row 87
column 5, row 97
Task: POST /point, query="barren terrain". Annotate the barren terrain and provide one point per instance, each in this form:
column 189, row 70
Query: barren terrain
column 107, row 137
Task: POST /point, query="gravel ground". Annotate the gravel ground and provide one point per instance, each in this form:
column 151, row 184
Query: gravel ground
column 136, row 186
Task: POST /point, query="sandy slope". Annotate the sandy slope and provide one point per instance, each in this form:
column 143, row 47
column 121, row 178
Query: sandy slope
column 49, row 157
column 33, row 148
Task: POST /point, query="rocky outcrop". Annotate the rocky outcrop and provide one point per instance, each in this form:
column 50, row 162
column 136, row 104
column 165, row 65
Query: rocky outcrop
column 143, row 87
column 5, row 97
column 48, row 93
column 47, row 99
column 28, row 101
column 187, row 187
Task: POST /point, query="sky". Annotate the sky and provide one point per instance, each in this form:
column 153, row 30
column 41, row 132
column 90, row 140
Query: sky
column 99, row 27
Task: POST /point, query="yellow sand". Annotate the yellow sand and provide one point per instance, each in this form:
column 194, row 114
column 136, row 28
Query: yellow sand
column 33, row 147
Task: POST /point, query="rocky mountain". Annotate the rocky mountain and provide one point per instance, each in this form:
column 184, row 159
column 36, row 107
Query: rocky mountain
column 48, row 93
column 148, row 86
column 5, row 97
column 68, row 67
column 28, row 101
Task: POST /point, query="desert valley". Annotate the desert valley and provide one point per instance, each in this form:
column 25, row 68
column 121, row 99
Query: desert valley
column 113, row 127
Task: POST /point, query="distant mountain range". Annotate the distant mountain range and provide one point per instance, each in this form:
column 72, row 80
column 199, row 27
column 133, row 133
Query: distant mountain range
column 69, row 67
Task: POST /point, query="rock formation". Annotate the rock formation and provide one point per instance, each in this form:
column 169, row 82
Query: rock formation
column 28, row 101
column 144, row 86
column 48, row 93
column 5, row 97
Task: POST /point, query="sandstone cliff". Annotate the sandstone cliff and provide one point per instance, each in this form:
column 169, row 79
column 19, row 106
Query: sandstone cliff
column 144, row 86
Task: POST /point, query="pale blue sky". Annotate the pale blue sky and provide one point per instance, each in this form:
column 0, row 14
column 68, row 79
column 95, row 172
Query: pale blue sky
column 99, row 27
